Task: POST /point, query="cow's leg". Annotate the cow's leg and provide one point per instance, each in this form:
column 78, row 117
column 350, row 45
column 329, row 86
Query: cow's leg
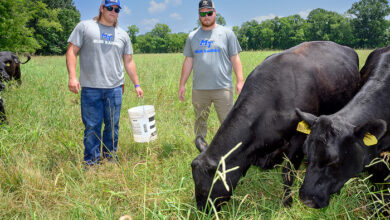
column 2, row 86
column 3, row 118
column 269, row 161
column 18, row 74
column 295, row 155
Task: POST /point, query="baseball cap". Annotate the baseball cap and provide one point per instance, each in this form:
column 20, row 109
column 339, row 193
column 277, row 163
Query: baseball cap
column 111, row 3
column 206, row 4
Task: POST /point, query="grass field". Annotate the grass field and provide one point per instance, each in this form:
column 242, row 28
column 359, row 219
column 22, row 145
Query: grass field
column 41, row 155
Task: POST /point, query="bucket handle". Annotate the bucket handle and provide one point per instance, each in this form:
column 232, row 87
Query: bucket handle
column 141, row 100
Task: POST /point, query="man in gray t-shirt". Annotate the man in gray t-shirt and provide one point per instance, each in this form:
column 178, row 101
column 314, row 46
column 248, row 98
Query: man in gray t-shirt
column 103, row 48
column 211, row 52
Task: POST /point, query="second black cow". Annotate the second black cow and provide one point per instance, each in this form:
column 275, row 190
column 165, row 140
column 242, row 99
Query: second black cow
column 341, row 145
column 318, row 77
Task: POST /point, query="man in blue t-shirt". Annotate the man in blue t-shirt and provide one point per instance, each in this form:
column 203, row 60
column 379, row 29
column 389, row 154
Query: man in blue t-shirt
column 211, row 52
column 102, row 47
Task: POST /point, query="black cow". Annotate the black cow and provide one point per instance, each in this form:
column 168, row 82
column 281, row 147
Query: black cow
column 319, row 77
column 10, row 62
column 342, row 144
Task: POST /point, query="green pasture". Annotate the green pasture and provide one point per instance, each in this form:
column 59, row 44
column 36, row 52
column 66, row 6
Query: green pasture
column 41, row 156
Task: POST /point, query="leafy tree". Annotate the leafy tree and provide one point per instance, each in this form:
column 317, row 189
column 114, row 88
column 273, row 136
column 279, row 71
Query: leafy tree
column 68, row 19
column 68, row 4
column 47, row 28
column 53, row 21
column 249, row 35
column 267, row 35
column 133, row 30
column 369, row 23
column 288, row 31
column 14, row 35
column 220, row 19
column 176, row 42
column 328, row 25
column 161, row 30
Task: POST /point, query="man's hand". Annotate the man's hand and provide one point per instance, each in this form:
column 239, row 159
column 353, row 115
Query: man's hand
column 239, row 86
column 139, row 92
column 74, row 86
column 182, row 93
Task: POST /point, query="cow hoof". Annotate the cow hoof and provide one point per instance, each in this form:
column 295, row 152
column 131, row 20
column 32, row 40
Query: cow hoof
column 287, row 202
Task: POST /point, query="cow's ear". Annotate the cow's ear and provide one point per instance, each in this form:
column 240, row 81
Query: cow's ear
column 306, row 120
column 371, row 132
column 307, row 117
column 201, row 144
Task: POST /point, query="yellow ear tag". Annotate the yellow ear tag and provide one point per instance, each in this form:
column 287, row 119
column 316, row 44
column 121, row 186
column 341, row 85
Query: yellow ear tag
column 303, row 127
column 8, row 64
column 369, row 139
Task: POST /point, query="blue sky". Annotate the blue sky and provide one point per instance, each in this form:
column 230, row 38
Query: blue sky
column 181, row 15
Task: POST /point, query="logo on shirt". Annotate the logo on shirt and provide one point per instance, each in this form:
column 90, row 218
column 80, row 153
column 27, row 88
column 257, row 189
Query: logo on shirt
column 106, row 36
column 207, row 44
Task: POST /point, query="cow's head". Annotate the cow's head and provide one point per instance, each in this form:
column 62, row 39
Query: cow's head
column 335, row 152
column 203, row 171
column 3, row 72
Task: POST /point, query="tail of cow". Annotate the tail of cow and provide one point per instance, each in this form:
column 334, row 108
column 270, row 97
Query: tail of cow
column 28, row 58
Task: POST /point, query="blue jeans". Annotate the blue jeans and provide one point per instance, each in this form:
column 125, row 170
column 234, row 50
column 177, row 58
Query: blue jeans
column 98, row 106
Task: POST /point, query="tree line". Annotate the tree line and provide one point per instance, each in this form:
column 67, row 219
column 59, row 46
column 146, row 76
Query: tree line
column 43, row 27
column 37, row 26
column 364, row 25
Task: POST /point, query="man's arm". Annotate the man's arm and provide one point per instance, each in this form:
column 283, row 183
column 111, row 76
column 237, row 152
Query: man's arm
column 71, row 61
column 131, row 71
column 185, row 73
column 237, row 66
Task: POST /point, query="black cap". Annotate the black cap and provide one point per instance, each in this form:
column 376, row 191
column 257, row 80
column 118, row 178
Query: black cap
column 206, row 4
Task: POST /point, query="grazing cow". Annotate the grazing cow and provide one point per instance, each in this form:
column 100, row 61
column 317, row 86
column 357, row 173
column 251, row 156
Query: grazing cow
column 319, row 77
column 342, row 144
column 11, row 63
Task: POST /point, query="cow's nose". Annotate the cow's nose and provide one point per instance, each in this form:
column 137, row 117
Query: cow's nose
column 313, row 201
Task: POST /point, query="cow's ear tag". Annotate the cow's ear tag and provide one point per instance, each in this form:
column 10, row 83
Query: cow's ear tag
column 369, row 139
column 303, row 127
column 8, row 64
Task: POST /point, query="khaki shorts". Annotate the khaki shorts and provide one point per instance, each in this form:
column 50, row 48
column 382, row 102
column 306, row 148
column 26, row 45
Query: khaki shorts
column 202, row 100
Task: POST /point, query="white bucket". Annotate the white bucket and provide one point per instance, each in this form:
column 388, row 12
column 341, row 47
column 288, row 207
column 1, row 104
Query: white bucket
column 143, row 123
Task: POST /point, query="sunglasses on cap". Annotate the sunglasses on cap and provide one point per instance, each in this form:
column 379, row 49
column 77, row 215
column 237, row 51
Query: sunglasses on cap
column 208, row 13
column 110, row 8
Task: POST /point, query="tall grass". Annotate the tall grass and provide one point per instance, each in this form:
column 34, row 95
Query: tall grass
column 41, row 155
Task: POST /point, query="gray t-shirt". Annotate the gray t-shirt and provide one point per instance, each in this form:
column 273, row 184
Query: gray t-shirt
column 101, row 53
column 211, row 51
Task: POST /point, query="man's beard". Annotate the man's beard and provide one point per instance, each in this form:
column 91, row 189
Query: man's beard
column 208, row 24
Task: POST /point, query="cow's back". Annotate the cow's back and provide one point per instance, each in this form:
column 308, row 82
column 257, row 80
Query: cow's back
column 318, row 76
column 372, row 62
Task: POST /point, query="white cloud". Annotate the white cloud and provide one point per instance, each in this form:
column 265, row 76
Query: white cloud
column 156, row 7
column 263, row 18
column 149, row 24
column 159, row 7
column 305, row 13
column 126, row 10
column 260, row 19
column 175, row 16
